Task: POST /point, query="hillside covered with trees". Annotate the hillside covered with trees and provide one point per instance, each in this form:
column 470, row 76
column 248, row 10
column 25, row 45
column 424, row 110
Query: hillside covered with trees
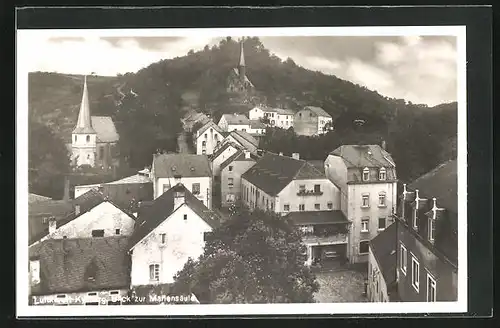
column 147, row 106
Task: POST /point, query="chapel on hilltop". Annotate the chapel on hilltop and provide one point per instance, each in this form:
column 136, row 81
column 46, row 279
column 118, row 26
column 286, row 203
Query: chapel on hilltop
column 94, row 139
column 237, row 81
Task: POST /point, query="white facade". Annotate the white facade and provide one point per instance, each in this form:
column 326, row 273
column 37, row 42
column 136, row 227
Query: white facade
column 84, row 148
column 105, row 217
column 256, row 113
column 226, row 126
column 283, row 121
column 155, row 262
column 216, row 162
column 207, row 141
column 323, row 121
column 161, row 185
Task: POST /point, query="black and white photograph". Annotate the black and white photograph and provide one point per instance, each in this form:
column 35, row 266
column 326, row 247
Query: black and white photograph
column 234, row 171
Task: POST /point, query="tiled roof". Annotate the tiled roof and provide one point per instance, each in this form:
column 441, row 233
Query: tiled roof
column 273, row 172
column 152, row 214
column 137, row 178
column 185, row 165
column 209, row 124
column 235, row 70
column 223, row 148
column 317, row 217
column 63, row 212
column 384, row 250
column 319, row 165
column 245, row 138
column 238, row 156
column 440, row 183
column 284, row 111
column 364, row 156
column 34, row 198
column 318, row 111
column 105, row 129
column 235, row 119
column 257, row 124
column 67, row 264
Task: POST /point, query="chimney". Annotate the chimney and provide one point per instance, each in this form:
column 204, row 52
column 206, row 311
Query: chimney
column 247, row 154
column 296, row 156
column 384, row 146
column 179, row 197
column 66, row 188
column 52, row 225
column 77, row 209
column 35, row 272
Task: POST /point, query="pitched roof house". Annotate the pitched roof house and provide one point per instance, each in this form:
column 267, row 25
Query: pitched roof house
column 169, row 230
column 78, row 266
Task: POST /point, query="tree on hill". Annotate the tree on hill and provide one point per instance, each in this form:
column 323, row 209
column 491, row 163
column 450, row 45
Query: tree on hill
column 48, row 161
column 250, row 258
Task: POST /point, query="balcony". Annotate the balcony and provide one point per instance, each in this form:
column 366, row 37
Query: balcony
column 309, row 193
column 315, row 239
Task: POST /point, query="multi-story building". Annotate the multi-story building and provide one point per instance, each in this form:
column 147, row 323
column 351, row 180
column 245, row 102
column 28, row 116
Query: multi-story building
column 243, row 139
column 427, row 245
column 170, row 230
column 366, row 176
column 275, row 117
column 297, row 190
column 234, row 122
column 94, row 139
column 207, row 138
column 312, row 120
column 193, row 171
column 222, row 153
column 231, row 171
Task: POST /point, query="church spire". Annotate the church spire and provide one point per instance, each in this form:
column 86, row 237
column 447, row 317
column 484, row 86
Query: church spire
column 84, row 125
column 242, row 55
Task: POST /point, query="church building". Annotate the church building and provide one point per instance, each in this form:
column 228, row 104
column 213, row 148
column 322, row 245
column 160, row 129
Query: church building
column 94, row 139
column 238, row 81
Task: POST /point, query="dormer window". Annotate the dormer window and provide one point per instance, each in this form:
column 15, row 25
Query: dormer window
column 366, row 174
column 382, row 175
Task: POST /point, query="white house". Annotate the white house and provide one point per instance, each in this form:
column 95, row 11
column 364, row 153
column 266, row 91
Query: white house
column 276, row 117
column 312, row 120
column 366, row 176
column 92, row 216
column 243, row 139
column 170, row 230
column 207, row 138
column 222, row 154
column 232, row 122
column 193, row 171
column 298, row 190
column 83, row 271
column 382, row 266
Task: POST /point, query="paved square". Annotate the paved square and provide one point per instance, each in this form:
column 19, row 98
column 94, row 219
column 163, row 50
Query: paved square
column 340, row 286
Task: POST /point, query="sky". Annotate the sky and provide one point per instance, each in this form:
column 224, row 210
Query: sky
column 420, row 69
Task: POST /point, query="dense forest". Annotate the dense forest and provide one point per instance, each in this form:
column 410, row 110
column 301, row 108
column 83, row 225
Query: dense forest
column 147, row 106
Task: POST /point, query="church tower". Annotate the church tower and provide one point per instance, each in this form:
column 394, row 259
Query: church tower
column 83, row 138
column 241, row 64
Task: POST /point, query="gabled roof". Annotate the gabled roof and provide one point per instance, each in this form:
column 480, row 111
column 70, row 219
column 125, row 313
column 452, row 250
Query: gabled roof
column 67, row 264
column 319, row 165
column 105, row 129
column 273, row 172
column 62, row 211
column 238, row 156
column 257, row 124
column 209, row 124
column 384, row 249
column 440, row 183
column 235, row 119
column 361, row 156
column 235, row 71
column 185, row 165
column 283, row 111
column 152, row 214
column 223, row 148
column 34, row 198
column 136, row 178
column 318, row 111
column 317, row 217
column 244, row 138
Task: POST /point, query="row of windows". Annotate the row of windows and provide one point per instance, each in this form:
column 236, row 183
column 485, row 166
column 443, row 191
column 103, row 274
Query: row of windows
column 415, row 274
column 302, row 207
column 365, row 224
column 100, row 232
column 317, row 188
column 87, row 138
column 382, row 174
column 365, row 200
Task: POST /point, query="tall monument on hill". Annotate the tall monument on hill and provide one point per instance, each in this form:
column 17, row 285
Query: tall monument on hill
column 94, row 138
column 237, row 81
